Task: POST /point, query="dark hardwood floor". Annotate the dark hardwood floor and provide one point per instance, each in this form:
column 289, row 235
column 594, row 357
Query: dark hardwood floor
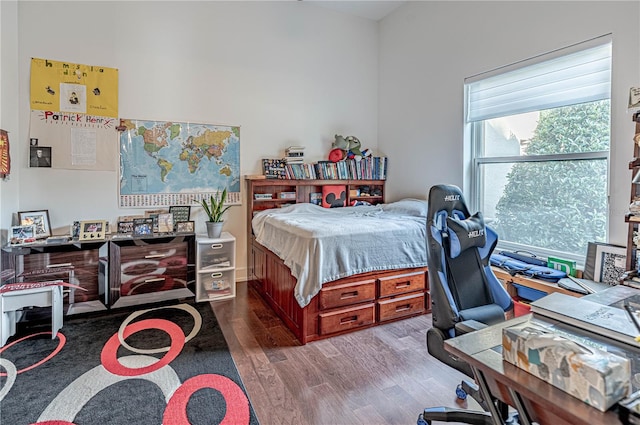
column 381, row 375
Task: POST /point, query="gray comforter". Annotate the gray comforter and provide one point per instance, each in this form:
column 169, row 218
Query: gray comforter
column 320, row 245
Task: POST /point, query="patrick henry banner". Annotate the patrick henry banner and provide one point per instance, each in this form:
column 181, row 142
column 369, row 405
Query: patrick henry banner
column 77, row 141
column 73, row 114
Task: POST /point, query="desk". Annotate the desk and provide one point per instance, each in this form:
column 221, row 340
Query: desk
column 545, row 403
column 12, row 303
column 537, row 284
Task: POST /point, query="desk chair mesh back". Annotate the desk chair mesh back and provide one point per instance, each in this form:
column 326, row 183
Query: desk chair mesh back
column 462, row 284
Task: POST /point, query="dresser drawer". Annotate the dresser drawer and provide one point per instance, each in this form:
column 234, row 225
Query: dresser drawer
column 157, row 259
column 401, row 284
column 347, row 318
column 400, row 307
column 347, row 294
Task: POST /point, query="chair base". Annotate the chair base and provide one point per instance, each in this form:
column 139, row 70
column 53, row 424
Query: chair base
column 450, row 414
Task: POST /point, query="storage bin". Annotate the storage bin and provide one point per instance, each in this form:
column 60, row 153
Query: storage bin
column 520, row 308
column 528, row 294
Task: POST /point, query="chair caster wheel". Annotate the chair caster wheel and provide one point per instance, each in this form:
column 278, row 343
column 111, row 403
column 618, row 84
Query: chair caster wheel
column 461, row 393
column 422, row 420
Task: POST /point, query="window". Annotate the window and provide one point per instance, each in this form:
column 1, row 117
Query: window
column 539, row 134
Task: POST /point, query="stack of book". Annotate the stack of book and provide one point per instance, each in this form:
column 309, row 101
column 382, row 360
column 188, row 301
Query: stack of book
column 294, row 155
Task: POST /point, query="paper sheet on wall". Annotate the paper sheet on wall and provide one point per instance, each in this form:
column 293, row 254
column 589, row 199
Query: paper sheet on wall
column 77, row 141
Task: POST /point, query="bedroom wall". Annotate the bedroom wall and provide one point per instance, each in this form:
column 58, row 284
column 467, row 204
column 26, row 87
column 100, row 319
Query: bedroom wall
column 8, row 101
column 428, row 48
column 288, row 73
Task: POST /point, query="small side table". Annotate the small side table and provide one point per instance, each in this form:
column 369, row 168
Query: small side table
column 12, row 303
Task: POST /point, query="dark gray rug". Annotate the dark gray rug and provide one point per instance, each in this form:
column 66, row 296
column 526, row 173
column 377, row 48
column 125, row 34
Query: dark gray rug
column 157, row 365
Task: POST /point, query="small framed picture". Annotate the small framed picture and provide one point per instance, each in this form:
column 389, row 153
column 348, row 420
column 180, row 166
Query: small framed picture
column 180, row 213
column 154, row 215
column 40, row 219
column 125, row 227
column 75, row 230
column 165, row 223
column 22, row 234
column 93, row 230
column 143, row 226
column 185, row 226
column 40, row 156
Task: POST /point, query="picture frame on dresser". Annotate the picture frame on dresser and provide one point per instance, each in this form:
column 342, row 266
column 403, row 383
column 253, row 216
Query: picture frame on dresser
column 92, row 230
column 180, row 213
column 165, row 223
column 19, row 234
column 37, row 218
column 143, row 226
column 185, row 227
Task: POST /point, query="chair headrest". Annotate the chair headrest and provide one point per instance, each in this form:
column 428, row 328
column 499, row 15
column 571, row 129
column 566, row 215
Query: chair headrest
column 465, row 233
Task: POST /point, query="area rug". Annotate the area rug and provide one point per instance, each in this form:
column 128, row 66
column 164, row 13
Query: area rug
column 165, row 365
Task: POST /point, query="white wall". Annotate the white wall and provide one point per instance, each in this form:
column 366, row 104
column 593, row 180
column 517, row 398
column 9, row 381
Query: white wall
column 292, row 73
column 8, row 111
column 288, row 73
column 428, row 48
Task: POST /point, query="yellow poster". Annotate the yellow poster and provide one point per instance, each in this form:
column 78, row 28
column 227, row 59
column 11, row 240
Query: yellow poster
column 74, row 88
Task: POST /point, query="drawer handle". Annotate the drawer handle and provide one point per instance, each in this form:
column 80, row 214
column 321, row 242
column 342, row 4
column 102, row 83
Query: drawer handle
column 215, row 275
column 157, row 279
column 347, row 295
column 53, row 266
column 403, row 308
column 216, row 246
column 155, row 256
column 348, row 320
column 403, row 285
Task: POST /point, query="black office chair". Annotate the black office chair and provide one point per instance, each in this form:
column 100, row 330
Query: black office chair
column 465, row 294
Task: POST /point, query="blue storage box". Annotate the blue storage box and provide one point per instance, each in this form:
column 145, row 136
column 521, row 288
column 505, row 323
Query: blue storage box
column 528, row 294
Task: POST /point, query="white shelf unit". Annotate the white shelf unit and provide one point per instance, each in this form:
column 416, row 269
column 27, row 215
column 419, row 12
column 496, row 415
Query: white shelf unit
column 215, row 267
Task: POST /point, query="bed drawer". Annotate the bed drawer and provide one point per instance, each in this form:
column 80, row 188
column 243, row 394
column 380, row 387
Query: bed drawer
column 400, row 307
column 347, row 318
column 347, row 294
column 401, row 284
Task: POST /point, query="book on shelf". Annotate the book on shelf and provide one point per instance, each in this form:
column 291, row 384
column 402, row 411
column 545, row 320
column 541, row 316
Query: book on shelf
column 369, row 168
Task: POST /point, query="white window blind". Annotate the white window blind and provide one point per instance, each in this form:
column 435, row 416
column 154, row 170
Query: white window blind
column 549, row 81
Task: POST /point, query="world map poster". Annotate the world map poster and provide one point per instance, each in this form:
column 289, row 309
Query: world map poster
column 166, row 163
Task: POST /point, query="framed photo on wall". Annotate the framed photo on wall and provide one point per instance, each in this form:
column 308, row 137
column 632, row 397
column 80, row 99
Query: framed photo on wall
column 40, row 219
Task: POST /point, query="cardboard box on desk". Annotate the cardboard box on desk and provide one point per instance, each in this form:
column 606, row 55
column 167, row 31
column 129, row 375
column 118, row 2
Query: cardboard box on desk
column 596, row 377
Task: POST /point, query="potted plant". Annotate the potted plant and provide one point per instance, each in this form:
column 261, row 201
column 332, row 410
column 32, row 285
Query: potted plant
column 214, row 208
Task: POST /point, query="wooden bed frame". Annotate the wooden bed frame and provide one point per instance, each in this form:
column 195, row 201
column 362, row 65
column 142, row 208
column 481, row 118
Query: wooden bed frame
column 342, row 306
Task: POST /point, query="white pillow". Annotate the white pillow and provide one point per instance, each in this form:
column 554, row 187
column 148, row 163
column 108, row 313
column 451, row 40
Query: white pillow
column 407, row 206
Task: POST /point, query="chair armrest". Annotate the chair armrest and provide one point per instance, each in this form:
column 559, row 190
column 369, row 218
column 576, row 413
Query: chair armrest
column 467, row 326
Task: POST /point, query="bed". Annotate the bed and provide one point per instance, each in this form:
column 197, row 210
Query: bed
column 328, row 271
